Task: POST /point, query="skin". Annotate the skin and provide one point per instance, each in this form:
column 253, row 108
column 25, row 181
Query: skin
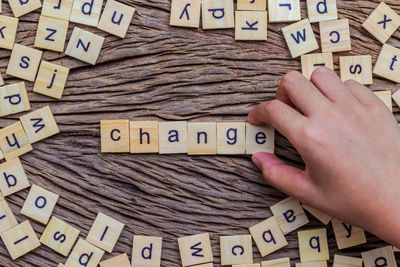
column 350, row 143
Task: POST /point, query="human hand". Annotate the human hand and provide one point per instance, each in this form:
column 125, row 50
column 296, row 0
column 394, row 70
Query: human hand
column 350, row 143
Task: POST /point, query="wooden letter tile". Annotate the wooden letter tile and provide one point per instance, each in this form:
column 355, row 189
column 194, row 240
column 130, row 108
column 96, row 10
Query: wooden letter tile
column 346, row 261
column 382, row 22
column 396, row 249
column 185, row 13
column 39, row 124
column 24, row 62
column 84, row 45
column 51, row 80
column 59, row 9
column 218, row 14
column 84, row 254
column 231, row 138
column 312, row 264
column 86, row 12
column 195, row 249
column 312, row 61
column 253, row 5
column 22, row 7
column 172, row 137
column 259, row 139
column 236, row 250
column 268, row 236
column 251, row 25
column 379, row 257
column 210, row 264
column 300, row 38
column 313, row 245
column 321, row 10
column 202, row 138
column 121, row 260
column 12, row 177
column 7, row 218
column 116, row 18
column 144, row 136
column 386, row 97
column 59, row 236
column 20, row 240
column 396, row 97
column 1, row 155
column 105, row 232
column 335, row 35
column 13, row 141
column 284, row 10
column 347, row 235
column 358, row 68
column 324, row 218
column 9, row 30
column 387, row 65
column 247, row 265
column 51, row 33
column 289, row 214
column 146, row 251
column 39, row 204
column 281, row 262
column 114, row 136
column 13, row 99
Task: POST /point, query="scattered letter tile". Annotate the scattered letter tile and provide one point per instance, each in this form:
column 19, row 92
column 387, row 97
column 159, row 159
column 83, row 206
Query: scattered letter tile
column 313, row 245
column 22, row 7
column 335, row 35
column 379, row 257
column 284, row 10
column 251, row 25
column 185, row 13
column 13, row 141
column 51, row 80
column 195, row 249
column 51, row 33
column 300, row 38
column 146, row 251
column 218, row 14
column 121, row 260
column 13, row 99
column 312, row 61
column 254, row 5
column 24, row 62
column 358, row 68
column 280, row 262
column 59, row 9
column 347, row 235
column 13, row 178
column 387, row 65
column 346, row 261
column 116, row 18
column 86, row 12
column 8, row 31
column 321, row 10
column 7, row 218
column 84, row 254
column 236, row 249
column 324, row 218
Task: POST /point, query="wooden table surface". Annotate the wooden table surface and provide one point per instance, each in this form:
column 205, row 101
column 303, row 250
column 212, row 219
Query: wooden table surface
column 160, row 72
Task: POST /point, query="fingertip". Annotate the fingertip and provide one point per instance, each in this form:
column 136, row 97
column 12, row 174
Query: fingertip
column 251, row 118
column 262, row 159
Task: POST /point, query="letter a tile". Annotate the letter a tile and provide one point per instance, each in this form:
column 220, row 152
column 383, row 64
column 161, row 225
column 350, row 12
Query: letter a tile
column 195, row 249
column 185, row 13
column 379, row 257
column 289, row 214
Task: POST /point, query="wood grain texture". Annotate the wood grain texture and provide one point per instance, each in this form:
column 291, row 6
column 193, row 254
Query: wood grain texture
column 160, row 72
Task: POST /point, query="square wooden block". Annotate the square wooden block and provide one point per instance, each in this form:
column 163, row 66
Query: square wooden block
column 247, row 265
column 7, row 218
column 13, row 177
column 51, row 80
column 252, row 5
column 210, row 264
column 143, row 136
column 59, row 9
column 387, row 65
column 105, row 232
column 311, row 62
column 335, row 35
column 1, row 80
column 51, row 33
column 251, row 25
column 39, row 124
column 231, row 138
column 9, row 30
column 86, row 12
column 289, row 214
column 185, row 13
column 322, row 217
column 84, row 254
column 121, row 260
column 13, row 99
column 114, row 136
column 259, row 139
column 24, row 62
column 382, row 22
column 300, row 38
column 280, row 262
column 218, row 14
column 84, row 45
column 1, row 155
column 236, row 249
column 379, row 257
column 116, row 18
column 22, row 7
column 358, row 68
column 39, row 204
column 202, row 138
column 396, row 97
column 321, row 10
column 20, row 240
column 59, row 236
column 13, row 141
column 284, row 10
column 146, row 251
column 172, row 137
column 195, row 249
column 346, row 261
column 386, row 97
column 313, row 245
column 347, row 235
column 268, row 236
column 396, row 249
column 312, row 264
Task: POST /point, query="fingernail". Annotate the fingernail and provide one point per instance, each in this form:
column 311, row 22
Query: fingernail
column 256, row 161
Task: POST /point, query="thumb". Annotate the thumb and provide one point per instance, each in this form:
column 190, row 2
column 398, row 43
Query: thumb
column 290, row 180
